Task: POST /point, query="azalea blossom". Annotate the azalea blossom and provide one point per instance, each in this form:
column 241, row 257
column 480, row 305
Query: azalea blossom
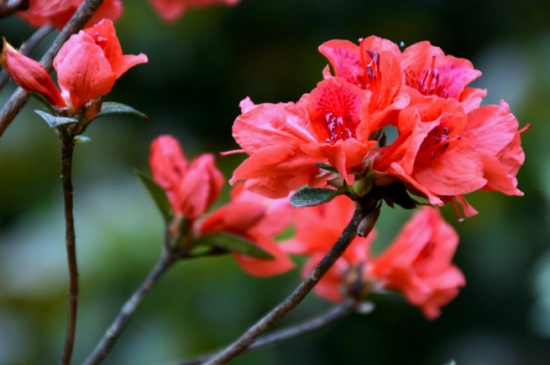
column 442, row 153
column 258, row 220
column 285, row 142
column 419, row 263
column 191, row 187
column 58, row 12
column 446, row 147
column 87, row 67
column 170, row 10
column 374, row 65
column 429, row 72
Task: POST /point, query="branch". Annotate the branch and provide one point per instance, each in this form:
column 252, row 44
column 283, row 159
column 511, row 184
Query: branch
column 67, row 148
column 30, row 45
column 111, row 335
column 297, row 295
column 20, row 97
column 332, row 315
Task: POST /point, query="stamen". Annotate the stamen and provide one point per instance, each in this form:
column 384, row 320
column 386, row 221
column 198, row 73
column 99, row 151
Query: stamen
column 232, row 152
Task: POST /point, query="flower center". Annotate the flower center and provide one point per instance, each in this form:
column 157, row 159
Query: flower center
column 370, row 60
column 435, row 143
column 339, row 127
column 431, row 84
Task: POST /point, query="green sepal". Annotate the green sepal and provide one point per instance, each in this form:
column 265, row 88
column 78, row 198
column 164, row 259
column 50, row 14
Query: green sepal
column 158, row 194
column 309, row 197
column 55, row 121
column 109, row 107
column 231, row 243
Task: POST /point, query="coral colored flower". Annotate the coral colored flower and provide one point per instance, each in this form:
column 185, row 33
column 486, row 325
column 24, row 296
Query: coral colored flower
column 285, row 141
column 493, row 131
column 375, row 65
column 87, row 67
column 257, row 219
column 170, row 10
column 430, row 154
column 317, row 229
column 419, row 263
column 58, row 12
column 191, row 188
column 428, row 71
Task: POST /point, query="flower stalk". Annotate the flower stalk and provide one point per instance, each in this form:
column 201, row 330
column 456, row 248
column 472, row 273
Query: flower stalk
column 248, row 338
column 67, row 149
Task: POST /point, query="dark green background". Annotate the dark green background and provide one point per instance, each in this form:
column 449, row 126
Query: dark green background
column 199, row 68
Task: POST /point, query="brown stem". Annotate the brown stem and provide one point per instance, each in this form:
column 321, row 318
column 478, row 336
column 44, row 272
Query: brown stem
column 20, row 97
column 111, row 335
column 67, row 149
column 332, row 315
column 299, row 293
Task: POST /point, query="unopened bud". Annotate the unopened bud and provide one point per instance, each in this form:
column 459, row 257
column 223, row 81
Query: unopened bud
column 367, row 223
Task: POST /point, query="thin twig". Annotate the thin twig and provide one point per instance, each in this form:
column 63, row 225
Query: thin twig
column 332, row 315
column 20, row 97
column 30, row 45
column 67, row 149
column 128, row 309
column 297, row 295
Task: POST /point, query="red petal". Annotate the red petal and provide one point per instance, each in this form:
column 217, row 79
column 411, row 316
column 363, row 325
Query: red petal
column 30, row 75
column 82, row 70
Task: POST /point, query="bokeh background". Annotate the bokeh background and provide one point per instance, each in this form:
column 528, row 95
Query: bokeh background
column 199, row 68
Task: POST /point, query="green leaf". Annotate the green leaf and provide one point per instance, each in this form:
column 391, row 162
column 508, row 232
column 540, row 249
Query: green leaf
column 309, row 197
column 157, row 193
column 55, row 121
column 108, row 108
column 233, row 243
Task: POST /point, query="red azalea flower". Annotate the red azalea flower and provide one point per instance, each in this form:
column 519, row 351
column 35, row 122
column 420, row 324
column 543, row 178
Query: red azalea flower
column 428, row 71
column 419, row 263
column 58, row 12
column 170, row 10
column 493, row 131
column 285, row 141
column 375, row 65
column 430, row 154
column 87, row 67
column 257, row 219
column 191, row 188
column 317, row 229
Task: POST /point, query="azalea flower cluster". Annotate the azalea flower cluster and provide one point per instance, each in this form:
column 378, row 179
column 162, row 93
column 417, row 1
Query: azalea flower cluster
column 418, row 263
column 192, row 188
column 447, row 145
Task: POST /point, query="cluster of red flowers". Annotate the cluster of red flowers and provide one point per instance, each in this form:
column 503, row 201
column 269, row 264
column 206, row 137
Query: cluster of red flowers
column 193, row 187
column 418, row 263
column 447, row 145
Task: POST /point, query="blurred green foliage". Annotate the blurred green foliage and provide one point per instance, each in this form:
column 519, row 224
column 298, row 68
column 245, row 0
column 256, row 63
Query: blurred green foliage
column 199, row 68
